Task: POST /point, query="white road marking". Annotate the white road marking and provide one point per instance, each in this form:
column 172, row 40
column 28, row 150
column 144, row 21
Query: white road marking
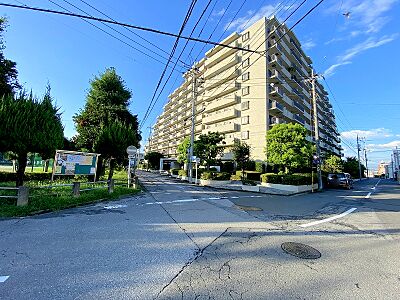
column 369, row 195
column 214, row 198
column 378, row 182
column 115, row 206
column 3, row 278
column 329, row 219
column 234, row 197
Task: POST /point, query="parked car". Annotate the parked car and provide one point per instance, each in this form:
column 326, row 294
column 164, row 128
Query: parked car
column 340, row 180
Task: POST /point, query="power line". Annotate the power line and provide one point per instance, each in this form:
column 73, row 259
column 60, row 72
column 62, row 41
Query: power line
column 106, row 32
column 131, row 31
column 188, row 14
column 187, row 41
column 123, row 24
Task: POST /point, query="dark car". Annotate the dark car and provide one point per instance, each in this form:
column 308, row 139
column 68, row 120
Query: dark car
column 340, row 180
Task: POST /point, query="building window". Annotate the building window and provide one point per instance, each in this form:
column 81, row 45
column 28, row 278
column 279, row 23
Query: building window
column 245, row 135
column 246, row 62
column 245, row 105
column 246, row 76
column 246, row 36
column 245, row 120
column 245, row 91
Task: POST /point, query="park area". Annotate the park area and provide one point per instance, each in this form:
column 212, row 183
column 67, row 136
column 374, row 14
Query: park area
column 64, row 192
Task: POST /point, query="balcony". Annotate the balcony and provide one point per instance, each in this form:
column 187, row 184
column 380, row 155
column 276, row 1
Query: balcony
column 274, row 76
column 222, row 128
column 222, row 103
column 276, row 108
column 221, row 115
column 275, row 91
column 299, row 119
column 218, row 57
column 222, row 90
column 298, row 106
column 219, row 68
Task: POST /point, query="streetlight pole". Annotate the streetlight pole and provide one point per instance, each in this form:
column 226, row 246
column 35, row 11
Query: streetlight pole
column 316, row 130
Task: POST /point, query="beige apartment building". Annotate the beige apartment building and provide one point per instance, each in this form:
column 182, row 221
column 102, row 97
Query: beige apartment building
column 243, row 94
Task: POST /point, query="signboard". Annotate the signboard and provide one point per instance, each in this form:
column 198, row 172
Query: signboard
column 75, row 163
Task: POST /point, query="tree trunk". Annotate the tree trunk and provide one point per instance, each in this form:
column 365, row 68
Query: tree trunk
column 46, row 165
column 111, row 173
column 100, row 168
column 21, row 168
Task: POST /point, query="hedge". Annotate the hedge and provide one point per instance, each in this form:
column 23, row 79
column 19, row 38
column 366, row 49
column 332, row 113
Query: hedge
column 182, row 173
column 215, row 176
column 8, row 176
column 288, row 179
column 174, row 171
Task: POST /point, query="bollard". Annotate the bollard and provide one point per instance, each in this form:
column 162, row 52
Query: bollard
column 23, row 196
column 135, row 183
column 111, row 186
column 76, row 189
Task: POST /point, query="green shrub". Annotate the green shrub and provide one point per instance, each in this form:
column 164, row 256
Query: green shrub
column 260, row 167
column 215, row 175
column 8, row 176
column 182, row 173
column 174, row 171
column 271, row 178
column 288, row 179
column 236, row 177
column 252, row 175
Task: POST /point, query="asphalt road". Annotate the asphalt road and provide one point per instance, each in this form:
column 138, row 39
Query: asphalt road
column 180, row 241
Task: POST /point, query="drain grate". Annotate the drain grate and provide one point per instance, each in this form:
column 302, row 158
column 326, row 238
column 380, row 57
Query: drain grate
column 301, row 250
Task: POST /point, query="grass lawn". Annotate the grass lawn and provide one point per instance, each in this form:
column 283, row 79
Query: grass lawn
column 60, row 197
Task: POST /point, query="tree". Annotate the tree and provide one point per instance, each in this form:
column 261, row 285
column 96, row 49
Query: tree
column 332, row 164
column 29, row 125
column 182, row 150
column 351, row 166
column 153, row 159
column 112, row 142
column 241, row 154
column 287, row 146
column 208, row 146
column 8, row 69
column 106, row 101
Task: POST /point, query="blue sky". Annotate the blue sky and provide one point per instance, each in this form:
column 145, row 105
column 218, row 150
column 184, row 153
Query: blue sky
column 358, row 55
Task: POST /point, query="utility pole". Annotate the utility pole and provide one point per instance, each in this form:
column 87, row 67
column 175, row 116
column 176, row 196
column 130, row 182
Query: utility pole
column 366, row 160
column 149, row 140
column 194, row 98
column 358, row 153
column 316, row 130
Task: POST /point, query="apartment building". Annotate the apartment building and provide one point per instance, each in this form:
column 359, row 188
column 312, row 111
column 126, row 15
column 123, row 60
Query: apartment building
column 244, row 94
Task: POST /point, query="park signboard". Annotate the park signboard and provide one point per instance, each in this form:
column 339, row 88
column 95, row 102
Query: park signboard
column 75, row 163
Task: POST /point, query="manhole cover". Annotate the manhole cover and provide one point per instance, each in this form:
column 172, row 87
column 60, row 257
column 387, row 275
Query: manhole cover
column 301, row 250
column 248, row 208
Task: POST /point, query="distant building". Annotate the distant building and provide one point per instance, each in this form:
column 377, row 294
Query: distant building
column 245, row 94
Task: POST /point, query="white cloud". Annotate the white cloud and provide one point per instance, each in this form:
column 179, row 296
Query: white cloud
column 389, row 146
column 218, row 13
column 251, row 17
column 309, row 44
column 331, row 70
column 372, row 133
column 369, row 43
column 368, row 16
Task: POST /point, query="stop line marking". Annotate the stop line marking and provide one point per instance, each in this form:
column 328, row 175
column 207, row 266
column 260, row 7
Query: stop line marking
column 329, row 219
column 194, row 200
